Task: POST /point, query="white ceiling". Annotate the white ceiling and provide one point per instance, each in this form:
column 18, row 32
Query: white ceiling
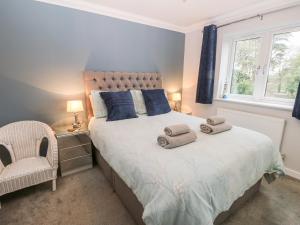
column 177, row 12
column 178, row 15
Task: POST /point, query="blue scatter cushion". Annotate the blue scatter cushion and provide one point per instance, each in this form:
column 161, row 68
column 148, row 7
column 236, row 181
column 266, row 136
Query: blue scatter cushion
column 156, row 102
column 119, row 105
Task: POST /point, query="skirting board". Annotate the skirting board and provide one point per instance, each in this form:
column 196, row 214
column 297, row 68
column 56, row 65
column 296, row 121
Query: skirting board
column 292, row 173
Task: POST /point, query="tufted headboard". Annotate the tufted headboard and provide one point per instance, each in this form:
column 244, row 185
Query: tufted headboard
column 117, row 81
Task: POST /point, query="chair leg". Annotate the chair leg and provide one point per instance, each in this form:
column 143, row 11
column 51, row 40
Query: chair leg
column 0, row 204
column 54, row 185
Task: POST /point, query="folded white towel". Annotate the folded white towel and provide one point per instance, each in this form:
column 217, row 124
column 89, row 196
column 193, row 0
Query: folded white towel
column 168, row 142
column 209, row 129
column 177, row 129
column 215, row 120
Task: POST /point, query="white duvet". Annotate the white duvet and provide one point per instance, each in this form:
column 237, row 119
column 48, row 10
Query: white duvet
column 191, row 184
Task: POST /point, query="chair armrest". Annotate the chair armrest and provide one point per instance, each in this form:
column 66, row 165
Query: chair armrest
column 1, row 167
column 52, row 154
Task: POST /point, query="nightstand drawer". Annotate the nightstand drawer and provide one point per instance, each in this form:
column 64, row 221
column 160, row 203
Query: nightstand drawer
column 70, row 141
column 74, row 165
column 75, row 152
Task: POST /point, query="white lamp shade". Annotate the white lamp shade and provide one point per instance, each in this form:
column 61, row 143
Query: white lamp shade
column 74, row 106
column 176, row 97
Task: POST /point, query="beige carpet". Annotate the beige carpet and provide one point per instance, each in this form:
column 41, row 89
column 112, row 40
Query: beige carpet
column 87, row 199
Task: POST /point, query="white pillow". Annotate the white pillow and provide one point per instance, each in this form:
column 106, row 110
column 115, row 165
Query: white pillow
column 98, row 105
column 138, row 100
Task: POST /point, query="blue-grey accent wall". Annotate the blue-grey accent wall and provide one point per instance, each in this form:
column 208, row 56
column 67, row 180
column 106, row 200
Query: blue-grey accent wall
column 44, row 49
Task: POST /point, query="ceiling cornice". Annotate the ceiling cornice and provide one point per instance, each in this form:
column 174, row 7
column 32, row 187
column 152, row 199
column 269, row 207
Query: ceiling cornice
column 259, row 8
column 107, row 11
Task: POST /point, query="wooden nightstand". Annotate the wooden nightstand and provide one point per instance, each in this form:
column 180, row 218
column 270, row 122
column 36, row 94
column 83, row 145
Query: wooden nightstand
column 74, row 150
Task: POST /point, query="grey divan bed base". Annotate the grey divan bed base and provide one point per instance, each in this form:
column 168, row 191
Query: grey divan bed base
column 136, row 209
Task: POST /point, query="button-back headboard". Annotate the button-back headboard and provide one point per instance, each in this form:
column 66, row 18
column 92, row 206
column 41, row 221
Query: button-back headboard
column 117, row 81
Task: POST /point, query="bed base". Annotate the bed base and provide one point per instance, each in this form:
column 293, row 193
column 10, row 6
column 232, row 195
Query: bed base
column 136, row 209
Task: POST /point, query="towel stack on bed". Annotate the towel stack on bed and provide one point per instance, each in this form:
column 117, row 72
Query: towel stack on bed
column 176, row 135
column 215, row 125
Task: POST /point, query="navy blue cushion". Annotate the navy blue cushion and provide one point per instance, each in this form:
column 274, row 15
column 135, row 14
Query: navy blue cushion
column 5, row 156
column 156, row 102
column 44, row 147
column 119, row 105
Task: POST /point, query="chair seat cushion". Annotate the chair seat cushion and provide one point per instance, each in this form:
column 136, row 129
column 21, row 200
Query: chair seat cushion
column 25, row 167
column 24, row 173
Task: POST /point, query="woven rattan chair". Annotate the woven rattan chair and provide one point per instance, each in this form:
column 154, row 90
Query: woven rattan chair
column 28, row 168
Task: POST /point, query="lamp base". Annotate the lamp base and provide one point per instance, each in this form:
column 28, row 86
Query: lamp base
column 176, row 106
column 76, row 124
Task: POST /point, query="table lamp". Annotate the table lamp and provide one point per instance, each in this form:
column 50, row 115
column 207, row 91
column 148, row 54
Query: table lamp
column 176, row 97
column 75, row 106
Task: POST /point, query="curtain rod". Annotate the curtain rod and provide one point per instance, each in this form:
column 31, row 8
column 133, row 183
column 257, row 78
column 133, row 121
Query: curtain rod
column 260, row 16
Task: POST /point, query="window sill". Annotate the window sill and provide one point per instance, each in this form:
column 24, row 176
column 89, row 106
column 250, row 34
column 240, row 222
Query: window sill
column 252, row 103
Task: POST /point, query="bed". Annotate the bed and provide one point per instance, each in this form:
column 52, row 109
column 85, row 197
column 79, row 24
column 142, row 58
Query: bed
column 201, row 183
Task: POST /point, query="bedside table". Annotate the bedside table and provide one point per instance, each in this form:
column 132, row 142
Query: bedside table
column 74, row 150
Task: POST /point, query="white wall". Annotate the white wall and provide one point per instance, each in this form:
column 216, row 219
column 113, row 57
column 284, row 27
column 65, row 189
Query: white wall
column 193, row 42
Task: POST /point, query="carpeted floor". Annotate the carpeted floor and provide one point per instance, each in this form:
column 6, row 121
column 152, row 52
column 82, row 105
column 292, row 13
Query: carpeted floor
column 86, row 198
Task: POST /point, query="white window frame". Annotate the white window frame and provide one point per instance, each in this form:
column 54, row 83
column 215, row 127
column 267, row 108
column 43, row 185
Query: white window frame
column 231, row 66
column 263, row 65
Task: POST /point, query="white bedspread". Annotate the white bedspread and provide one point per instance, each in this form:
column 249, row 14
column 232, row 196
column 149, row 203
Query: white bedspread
column 191, row 184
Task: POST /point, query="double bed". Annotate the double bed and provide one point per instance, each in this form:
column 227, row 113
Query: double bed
column 197, row 184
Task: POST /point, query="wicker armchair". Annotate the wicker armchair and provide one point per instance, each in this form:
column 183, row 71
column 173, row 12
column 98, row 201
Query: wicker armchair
column 29, row 168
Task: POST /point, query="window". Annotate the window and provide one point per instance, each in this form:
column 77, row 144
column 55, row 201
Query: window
column 284, row 70
column 244, row 66
column 265, row 67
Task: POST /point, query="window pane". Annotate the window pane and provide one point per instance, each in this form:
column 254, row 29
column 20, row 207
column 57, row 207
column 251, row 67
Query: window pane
column 284, row 72
column 245, row 66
